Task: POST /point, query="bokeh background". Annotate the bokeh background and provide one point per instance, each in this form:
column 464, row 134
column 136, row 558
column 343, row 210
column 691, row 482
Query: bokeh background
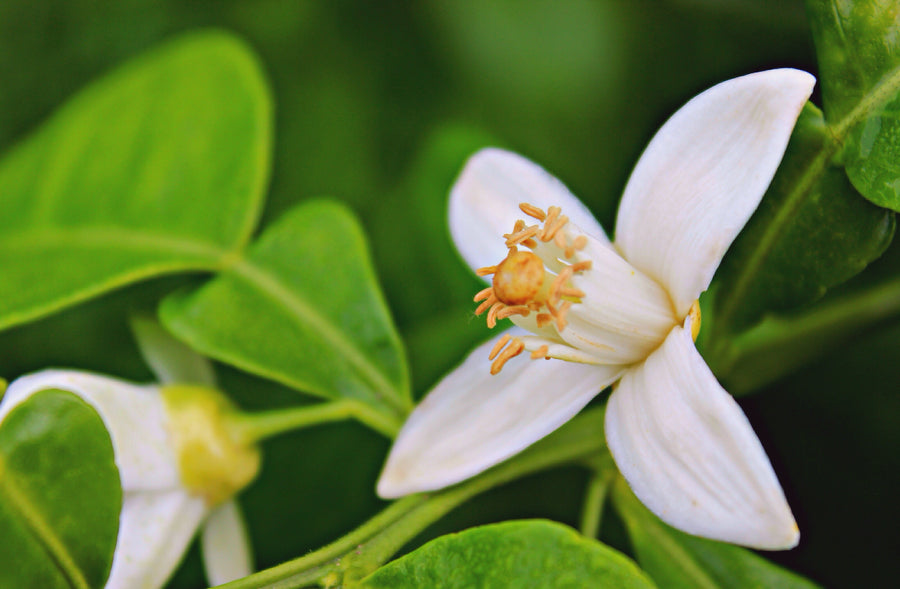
column 377, row 104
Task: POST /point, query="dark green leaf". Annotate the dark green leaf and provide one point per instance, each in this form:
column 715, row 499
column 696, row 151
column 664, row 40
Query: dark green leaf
column 811, row 232
column 858, row 46
column 676, row 560
column 511, row 554
column 158, row 167
column 302, row 308
column 60, row 495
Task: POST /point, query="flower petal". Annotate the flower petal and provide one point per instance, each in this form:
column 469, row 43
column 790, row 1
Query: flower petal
column 134, row 416
column 472, row 420
column 623, row 314
column 703, row 175
column 155, row 529
column 484, row 203
column 226, row 546
column 172, row 361
column 689, row 453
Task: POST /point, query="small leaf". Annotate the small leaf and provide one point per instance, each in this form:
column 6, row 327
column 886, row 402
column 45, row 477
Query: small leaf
column 158, row 167
column 677, row 560
column 303, row 308
column 60, row 494
column 858, row 48
column 511, row 554
column 810, row 233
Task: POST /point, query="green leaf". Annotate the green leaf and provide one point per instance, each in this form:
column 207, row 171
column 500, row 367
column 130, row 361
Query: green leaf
column 303, row 308
column 810, row 233
column 60, row 494
column 676, row 560
column 158, row 167
column 511, row 554
column 858, row 47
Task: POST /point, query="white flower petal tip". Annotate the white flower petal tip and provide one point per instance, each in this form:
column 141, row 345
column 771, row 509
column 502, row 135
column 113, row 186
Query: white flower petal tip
column 225, row 545
column 473, row 420
column 690, row 455
column 703, row 175
column 485, row 199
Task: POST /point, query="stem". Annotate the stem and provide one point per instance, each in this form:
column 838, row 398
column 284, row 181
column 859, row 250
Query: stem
column 594, row 499
column 254, row 427
column 369, row 546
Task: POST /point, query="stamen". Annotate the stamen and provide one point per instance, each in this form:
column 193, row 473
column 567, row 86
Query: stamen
column 522, row 310
column 532, row 211
column 486, row 271
column 580, row 242
column 560, row 282
column 550, row 229
column 492, row 315
column 483, row 294
column 499, row 346
column 512, row 350
column 530, row 243
column 543, row 319
column 491, row 300
column 520, row 236
column 561, row 315
column 581, row 266
column 540, row 352
column 571, row 292
column 560, row 241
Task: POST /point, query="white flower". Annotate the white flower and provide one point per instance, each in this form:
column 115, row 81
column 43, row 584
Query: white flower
column 623, row 313
column 178, row 471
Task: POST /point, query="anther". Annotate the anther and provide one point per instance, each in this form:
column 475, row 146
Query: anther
column 512, row 350
column 560, row 282
column 491, row 301
column 505, row 312
column 483, row 294
column 580, row 242
column 539, row 353
column 543, row 319
column 561, row 315
column 581, row 266
column 492, row 315
column 550, row 229
column 499, row 346
column 486, row 271
column 521, row 236
column 532, row 211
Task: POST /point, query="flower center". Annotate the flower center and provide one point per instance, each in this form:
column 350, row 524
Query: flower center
column 522, row 283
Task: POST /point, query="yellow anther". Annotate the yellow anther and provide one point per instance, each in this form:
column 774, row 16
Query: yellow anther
column 695, row 319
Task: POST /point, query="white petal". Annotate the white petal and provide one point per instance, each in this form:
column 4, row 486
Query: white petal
column 623, row 316
column 172, row 361
column 134, row 416
column 689, row 453
column 484, row 203
column 472, row 420
column 703, row 175
column 155, row 529
column 226, row 545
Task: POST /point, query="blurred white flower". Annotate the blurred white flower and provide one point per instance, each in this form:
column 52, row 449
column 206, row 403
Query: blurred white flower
column 622, row 313
column 179, row 468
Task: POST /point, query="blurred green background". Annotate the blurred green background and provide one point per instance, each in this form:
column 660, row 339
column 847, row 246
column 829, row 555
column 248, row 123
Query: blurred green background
column 377, row 104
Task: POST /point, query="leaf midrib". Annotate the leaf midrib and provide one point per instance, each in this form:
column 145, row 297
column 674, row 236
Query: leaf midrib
column 877, row 96
column 305, row 312
column 41, row 531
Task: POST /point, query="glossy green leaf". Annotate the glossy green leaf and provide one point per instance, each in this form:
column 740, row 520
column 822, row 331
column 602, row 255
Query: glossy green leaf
column 158, row 167
column 676, row 560
column 60, row 495
column 511, row 554
column 810, row 233
column 858, row 47
column 302, row 308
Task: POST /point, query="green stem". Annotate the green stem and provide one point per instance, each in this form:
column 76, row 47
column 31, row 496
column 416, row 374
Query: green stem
column 369, row 546
column 594, row 499
column 778, row 345
column 254, row 427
